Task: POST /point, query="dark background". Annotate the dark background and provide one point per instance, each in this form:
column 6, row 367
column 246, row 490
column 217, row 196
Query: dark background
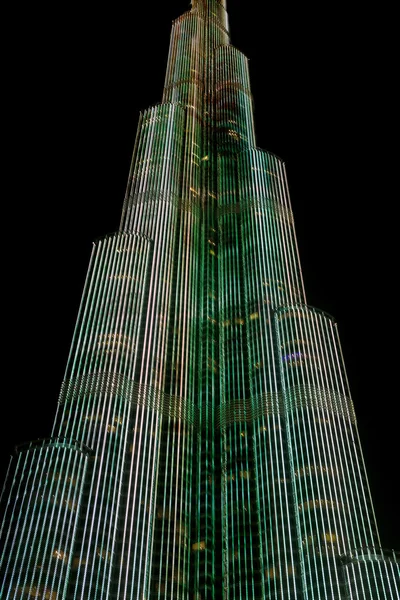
column 76, row 78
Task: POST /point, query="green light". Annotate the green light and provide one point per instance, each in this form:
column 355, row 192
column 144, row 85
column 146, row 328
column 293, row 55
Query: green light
column 205, row 445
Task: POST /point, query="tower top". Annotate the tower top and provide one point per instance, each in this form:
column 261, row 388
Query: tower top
column 215, row 8
column 205, row 2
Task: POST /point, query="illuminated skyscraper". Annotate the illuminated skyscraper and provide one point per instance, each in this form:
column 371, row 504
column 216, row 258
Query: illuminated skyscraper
column 205, row 444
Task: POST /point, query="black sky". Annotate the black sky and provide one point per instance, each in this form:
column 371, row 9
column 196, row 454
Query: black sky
column 77, row 77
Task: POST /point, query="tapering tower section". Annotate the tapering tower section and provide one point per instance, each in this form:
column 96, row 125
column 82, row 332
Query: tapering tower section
column 205, row 445
column 190, row 81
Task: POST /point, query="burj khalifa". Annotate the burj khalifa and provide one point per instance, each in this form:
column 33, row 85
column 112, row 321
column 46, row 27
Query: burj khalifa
column 205, row 444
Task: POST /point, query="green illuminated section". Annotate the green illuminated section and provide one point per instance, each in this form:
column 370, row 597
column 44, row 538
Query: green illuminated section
column 332, row 504
column 40, row 520
column 205, row 445
column 371, row 573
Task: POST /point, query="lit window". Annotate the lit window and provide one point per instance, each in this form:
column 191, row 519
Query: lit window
column 121, row 276
column 112, row 342
column 319, row 503
column 103, row 553
column 60, row 555
column 199, row 546
column 163, row 514
column 233, row 134
column 253, row 316
column 71, row 505
column 77, row 562
column 93, row 417
column 212, row 364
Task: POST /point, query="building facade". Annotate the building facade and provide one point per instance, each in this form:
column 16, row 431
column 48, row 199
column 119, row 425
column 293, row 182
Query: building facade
column 205, row 444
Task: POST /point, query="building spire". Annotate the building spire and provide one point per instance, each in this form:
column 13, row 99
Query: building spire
column 205, row 2
column 212, row 8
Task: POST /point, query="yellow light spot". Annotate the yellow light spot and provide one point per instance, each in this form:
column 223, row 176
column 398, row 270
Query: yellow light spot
column 290, row 570
column 60, row 555
column 199, row 546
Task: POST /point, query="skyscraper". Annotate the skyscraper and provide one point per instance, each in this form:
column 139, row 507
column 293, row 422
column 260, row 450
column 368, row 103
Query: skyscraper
column 205, row 442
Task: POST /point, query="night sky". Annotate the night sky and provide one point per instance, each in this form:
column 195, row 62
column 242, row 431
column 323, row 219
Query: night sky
column 76, row 79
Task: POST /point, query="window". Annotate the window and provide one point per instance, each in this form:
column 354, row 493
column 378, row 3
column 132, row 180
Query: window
column 199, row 546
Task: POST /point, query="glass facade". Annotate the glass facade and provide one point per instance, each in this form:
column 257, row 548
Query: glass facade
column 205, row 445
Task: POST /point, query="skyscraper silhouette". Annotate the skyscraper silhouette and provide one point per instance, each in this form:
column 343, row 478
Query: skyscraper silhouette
column 205, row 443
